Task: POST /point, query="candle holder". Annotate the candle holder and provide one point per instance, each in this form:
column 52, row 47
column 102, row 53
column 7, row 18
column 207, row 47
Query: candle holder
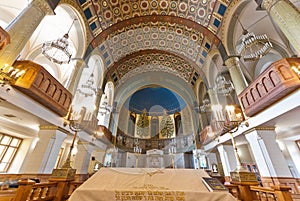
column 66, row 172
column 137, row 152
column 233, row 120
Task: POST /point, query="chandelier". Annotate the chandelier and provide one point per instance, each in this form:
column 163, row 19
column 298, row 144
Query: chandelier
column 58, row 51
column 223, row 86
column 104, row 108
column 88, row 86
column 206, row 106
column 251, row 46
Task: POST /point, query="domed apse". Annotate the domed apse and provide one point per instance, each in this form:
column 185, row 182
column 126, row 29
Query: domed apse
column 155, row 100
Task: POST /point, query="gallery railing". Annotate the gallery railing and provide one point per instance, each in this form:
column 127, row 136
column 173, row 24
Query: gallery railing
column 181, row 144
column 278, row 80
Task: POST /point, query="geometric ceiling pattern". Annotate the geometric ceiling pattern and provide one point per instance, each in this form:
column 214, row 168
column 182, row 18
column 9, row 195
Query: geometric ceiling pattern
column 186, row 29
column 148, row 61
column 113, row 11
column 175, row 38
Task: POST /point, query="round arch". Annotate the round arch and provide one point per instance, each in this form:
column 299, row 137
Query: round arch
column 163, row 79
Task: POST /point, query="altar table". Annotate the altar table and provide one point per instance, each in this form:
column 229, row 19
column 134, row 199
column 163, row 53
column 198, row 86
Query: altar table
column 147, row 184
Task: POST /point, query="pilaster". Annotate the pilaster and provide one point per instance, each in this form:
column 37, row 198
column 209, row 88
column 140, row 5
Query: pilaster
column 227, row 158
column 43, row 158
column 82, row 157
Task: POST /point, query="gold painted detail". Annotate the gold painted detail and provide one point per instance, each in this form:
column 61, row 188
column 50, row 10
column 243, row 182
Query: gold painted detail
column 143, row 125
column 270, row 128
column 267, row 4
column 243, row 176
column 231, row 62
column 150, row 195
column 48, row 127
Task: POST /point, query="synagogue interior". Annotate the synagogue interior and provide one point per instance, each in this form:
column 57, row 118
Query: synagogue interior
column 96, row 91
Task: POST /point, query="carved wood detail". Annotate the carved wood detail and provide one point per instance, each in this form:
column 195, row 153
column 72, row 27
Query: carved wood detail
column 277, row 81
column 40, row 85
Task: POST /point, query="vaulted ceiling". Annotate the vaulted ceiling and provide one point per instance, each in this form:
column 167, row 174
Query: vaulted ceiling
column 136, row 36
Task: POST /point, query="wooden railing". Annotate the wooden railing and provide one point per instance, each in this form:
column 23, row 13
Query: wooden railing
column 40, row 85
column 246, row 191
column 278, row 80
column 28, row 190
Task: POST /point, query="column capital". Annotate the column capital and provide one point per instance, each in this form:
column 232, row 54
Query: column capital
column 44, row 5
column 232, row 61
column 267, row 4
column 260, row 128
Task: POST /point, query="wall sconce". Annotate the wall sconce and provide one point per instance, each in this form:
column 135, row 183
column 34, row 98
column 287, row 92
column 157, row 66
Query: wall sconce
column 232, row 120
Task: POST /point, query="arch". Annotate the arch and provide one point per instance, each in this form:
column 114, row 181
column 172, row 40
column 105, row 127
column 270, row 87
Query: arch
column 96, row 63
column 171, row 82
column 52, row 28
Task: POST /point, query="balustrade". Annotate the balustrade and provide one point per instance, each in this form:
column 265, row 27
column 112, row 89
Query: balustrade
column 277, row 81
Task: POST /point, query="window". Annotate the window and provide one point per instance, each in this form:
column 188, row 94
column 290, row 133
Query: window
column 8, row 148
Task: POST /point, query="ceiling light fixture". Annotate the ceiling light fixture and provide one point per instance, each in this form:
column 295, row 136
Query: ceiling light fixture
column 252, row 47
column 223, row 86
column 58, row 51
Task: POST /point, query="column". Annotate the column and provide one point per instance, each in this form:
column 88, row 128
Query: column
column 213, row 96
column 216, row 108
column 115, row 120
column 271, row 163
column 293, row 151
column 82, row 157
column 286, row 16
column 236, row 74
column 76, row 75
column 228, row 159
column 98, row 100
column 21, row 29
column 43, row 157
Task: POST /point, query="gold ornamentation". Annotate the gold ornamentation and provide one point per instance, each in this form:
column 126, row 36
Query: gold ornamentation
column 142, row 129
column 167, row 126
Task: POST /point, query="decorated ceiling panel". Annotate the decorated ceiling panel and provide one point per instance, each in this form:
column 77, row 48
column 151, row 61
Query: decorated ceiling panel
column 152, row 61
column 186, row 29
column 174, row 38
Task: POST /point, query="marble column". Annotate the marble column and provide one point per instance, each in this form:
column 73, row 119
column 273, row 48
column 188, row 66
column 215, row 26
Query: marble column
column 227, row 158
column 21, row 29
column 269, row 159
column 43, row 157
column 287, row 18
column 236, row 74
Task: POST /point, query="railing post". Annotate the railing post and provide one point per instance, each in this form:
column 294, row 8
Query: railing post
column 244, row 190
column 282, row 193
column 62, row 188
column 24, row 190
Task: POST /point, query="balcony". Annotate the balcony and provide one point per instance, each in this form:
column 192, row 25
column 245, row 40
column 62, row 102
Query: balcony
column 278, row 80
column 38, row 84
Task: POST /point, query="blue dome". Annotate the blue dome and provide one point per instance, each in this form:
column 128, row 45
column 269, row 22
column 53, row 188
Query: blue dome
column 155, row 100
